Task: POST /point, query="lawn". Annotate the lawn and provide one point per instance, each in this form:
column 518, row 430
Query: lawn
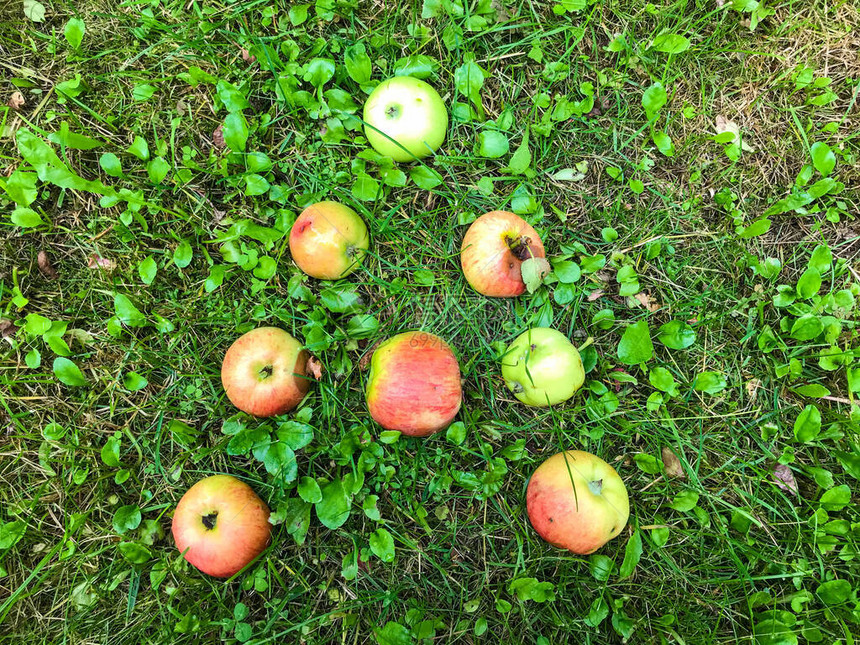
column 692, row 170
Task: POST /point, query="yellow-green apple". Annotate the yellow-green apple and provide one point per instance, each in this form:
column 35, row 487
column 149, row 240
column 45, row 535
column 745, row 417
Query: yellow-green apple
column 577, row 501
column 410, row 112
column 542, row 367
column 265, row 372
column 493, row 251
column 328, row 240
column 414, row 384
column 220, row 525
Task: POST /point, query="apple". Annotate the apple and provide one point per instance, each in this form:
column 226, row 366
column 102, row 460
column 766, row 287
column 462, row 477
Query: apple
column 542, row 367
column 265, row 372
column 577, row 501
column 493, row 251
column 328, row 240
column 414, row 384
column 220, row 525
column 410, row 112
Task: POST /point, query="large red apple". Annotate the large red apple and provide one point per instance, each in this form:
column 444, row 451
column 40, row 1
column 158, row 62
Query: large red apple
column 328, row 240
column 265, row 372
column 577, row 501
column 220, row 525
column 493, row 250
column 414, row 384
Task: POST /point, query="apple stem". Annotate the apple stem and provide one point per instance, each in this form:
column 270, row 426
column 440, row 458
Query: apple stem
column 519, row 246
column 209, row 520
column 266, row 371
column 587, row 342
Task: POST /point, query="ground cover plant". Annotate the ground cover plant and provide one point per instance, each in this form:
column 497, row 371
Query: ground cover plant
column 691, row 168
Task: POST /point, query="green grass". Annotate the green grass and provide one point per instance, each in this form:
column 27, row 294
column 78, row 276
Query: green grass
column 727, row 555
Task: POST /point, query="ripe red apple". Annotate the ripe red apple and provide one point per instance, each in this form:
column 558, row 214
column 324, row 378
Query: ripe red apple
column 220, row 525
column 493, row 250
column 414, row 384
column 577, row 501
column 265, row 372
column 328, row 240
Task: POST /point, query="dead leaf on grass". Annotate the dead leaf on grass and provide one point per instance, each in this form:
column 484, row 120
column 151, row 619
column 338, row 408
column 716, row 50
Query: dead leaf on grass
column 752, row 387
column 784, row 478
column 594, row 295
column 247, row 56
column 95, row 261
column 646, row 301
column 314, row 367
column 722, row 124
column 671, row 463
column 46, row 267
column 16, row 101
column 218, row 137
column 7, row 328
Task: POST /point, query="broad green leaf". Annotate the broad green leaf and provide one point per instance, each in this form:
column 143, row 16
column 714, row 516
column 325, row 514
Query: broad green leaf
column 601, row 567
column 382, row 545
column 111, row 164
column 365, row 188
column 232, row 98
column 632, row 554
column 280, row 461
column 134, row 381
column 157, row 170
column 357, row 63
column 685, row 501
column 850, row 462
column 417, row 65
column 758, row 227
column 807, row 426
column 11, row 533
column 522, row 158
column 662, row 379
column 34, row 10
column 182, row 254
column 127, row 312
column 134, row 552
column 26, row 218
column 822, row 158
column 821, row 259
column 235, row 131
column 636, row 346
column 836, row 498
column 319, row 71
column 33, row 359
column 68, row 373
column 370, row 509
column 670, row 44
column 456, row 433
column 653, row 100
column 469, row 79
column 809, row 283
column 710, row 382
column 806, row 327
column 647, row 463
column 834, row 592
column 74, row 32
column 139, row 148
column 333, row 509
column 424, row 177
column 393, row 634
column 126, row 518
column 256, row 185
column 295, row 434
column 147, row 270
column 110, row 452
column 341, row 299
column 362, row 326
column 142, row 92
column 309, row 490
column 531, row 589
column 492, row 144
column 533, row 271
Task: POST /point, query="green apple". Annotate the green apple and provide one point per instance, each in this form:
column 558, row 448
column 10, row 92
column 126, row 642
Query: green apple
column 410, row 112
column 542, row 367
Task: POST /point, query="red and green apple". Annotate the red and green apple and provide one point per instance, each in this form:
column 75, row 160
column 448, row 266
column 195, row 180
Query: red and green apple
column 576, row 501
column 328, row 240
column 265, row 372
column 220, row 525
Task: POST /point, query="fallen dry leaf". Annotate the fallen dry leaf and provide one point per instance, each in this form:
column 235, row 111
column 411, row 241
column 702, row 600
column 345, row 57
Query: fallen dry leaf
column 247, row 56
column 594, row 295
column 46, row 267
column 314, row 367
column 16, row 101
column 7, row 328
column 784, row 478
column 95, row 261
column 671, row 463
column 722, row 124
column 752, row 388
column 646, row 301
column 218, row 137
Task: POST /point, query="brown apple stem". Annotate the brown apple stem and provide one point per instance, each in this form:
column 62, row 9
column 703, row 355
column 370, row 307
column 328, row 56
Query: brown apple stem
column 587, row 342
column 520, row 246
column 209, row 520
